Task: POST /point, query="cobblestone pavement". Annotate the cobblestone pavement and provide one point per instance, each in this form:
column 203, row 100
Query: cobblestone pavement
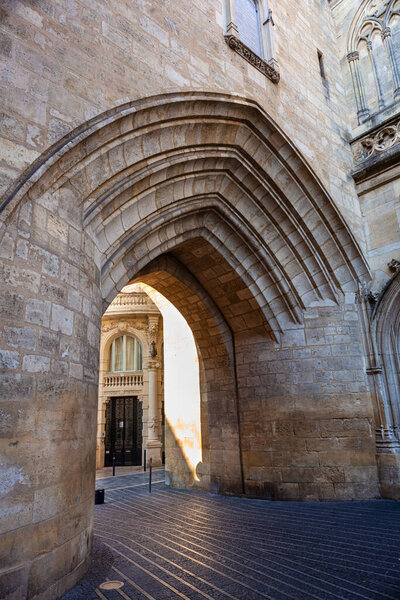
column 173, row 544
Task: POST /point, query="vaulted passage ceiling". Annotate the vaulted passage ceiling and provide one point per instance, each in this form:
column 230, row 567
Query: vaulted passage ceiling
column 210, row 179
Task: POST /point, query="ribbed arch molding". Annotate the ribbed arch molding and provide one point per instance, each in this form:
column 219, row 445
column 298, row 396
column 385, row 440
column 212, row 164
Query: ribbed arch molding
column 164, row 273
column 147, row 176
column 209, row 226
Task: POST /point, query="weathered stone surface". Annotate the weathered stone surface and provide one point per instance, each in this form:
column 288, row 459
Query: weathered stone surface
column 201, row 195
column 62, row 319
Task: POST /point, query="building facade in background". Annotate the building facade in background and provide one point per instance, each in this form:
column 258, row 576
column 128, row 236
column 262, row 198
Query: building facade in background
column 131, row 399
column 241, row 158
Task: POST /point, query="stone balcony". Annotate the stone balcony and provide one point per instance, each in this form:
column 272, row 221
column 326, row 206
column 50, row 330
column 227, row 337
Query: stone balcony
column 134, row 302
column 123, row 383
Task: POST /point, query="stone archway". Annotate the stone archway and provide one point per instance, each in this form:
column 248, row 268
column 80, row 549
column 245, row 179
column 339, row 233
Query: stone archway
column 204, row 198
column 384, row 358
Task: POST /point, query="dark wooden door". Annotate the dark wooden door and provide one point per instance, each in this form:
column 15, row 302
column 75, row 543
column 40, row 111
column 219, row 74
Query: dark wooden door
column 124, row 431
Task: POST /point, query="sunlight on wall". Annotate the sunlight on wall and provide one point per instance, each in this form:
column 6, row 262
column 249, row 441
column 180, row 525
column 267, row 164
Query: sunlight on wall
column 181, row 380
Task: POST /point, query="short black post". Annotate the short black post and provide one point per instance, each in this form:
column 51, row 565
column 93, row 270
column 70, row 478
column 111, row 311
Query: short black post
column 99, row 497
column 114, row 464
column 150, row 470
column 144, row 460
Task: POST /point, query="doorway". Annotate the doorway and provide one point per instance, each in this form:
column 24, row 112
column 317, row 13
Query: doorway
column 124, row 431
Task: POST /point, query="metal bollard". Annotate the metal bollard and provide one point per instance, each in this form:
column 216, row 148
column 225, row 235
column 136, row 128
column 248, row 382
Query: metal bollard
column 99, row 497
column 150, row 472
column 144, row 460
column 114, row 458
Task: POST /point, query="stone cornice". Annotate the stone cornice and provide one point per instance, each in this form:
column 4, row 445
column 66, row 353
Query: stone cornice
column 263, row 66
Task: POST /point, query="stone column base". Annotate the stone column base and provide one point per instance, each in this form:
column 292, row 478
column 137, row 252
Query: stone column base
column 154, row 451
column 389, row 474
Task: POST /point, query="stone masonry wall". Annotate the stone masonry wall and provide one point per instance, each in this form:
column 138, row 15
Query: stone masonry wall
column 60, row 68
column 63, row 64
column 379, row 190
column 49, row 323
column 307, row 420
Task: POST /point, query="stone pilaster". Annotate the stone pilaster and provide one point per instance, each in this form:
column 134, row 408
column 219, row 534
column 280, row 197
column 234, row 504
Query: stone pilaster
column 153, row 445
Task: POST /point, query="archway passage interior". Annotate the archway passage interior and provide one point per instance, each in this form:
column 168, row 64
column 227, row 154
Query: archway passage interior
column 149, row 387
column 203, row 198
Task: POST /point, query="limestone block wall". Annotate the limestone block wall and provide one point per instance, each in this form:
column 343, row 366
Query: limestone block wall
column 307, row 422
column 373, row 106
column 377, row 185
column 49, row 323
column 64, row 64
column 380, row 206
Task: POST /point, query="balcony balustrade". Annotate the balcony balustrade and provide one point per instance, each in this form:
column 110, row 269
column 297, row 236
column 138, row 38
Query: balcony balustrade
column 123, row 380
column 131, row 300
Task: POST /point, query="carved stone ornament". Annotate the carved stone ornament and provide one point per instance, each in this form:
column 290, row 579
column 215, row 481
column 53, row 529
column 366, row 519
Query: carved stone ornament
column 153, row 364
column 153, row 424
column 152, row 327
column 109, row 326
column 394, row 265
column 376, row 8
column 237, row 45
column 373, row 297
column 352, row 56
column 153, row 349
column 371, row 145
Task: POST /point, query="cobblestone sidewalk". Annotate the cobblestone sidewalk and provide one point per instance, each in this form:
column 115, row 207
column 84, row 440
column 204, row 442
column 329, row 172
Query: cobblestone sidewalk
column 173, row 544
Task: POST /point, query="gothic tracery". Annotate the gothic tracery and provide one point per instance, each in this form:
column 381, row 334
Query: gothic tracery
column 372, row 55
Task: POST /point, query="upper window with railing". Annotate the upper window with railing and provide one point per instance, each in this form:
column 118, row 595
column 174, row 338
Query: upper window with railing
column 126, row 355
column 249, row 31
column 248, row 23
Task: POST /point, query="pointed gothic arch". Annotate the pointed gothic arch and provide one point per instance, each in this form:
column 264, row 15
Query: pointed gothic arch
column 207, row 186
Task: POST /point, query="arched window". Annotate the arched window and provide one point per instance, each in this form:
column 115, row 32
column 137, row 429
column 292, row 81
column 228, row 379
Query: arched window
column 374, row 56
column 125, row 354
column 248, row 24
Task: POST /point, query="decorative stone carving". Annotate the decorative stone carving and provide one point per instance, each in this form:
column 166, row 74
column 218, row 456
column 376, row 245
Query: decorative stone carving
column 269, row 18
column 269, row 71
column 352, row 56
column 123, row 325
column 153, row 364
column 394, row 265
column 152, row 426
column 373, row 28
column 109, row 326
column 371, row 145
column 376, row 8
column 153, row 327
column 373, row 297
column 153, row 349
